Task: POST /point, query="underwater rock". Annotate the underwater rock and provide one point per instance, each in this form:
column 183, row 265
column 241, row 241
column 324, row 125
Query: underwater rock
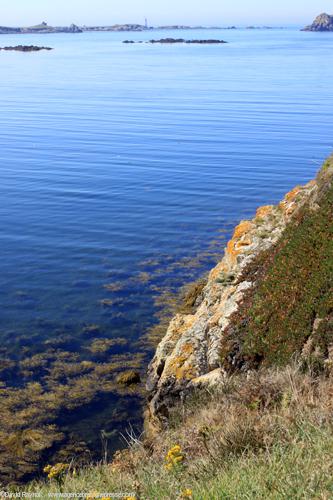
column 26, row 48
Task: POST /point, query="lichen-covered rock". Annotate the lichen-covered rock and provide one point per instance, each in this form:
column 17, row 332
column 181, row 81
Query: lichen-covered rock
column 194, row 348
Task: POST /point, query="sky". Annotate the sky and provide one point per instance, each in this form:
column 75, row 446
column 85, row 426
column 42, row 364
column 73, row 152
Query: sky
column 205, row 12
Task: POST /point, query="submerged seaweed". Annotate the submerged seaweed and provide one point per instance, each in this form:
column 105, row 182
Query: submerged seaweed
column 64, row 387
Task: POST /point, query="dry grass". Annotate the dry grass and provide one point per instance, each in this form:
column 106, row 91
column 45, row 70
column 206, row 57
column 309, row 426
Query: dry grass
column 266, row 434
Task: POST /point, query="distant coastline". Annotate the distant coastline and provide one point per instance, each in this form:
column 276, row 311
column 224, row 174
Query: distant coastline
column 39, row 28
column 44, row 28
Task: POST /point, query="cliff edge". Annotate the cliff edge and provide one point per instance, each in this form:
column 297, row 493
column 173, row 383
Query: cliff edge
column 269, row 298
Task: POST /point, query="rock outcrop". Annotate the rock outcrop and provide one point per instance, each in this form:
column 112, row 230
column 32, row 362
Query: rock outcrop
column 25, row 48
column 200, row 348
column 182, row 40
column 324, row 22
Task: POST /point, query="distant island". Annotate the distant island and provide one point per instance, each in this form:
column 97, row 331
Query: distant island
column 40, row 28
column 44, row 28
column 26, row 48
column 117, row 27
column 323, row 22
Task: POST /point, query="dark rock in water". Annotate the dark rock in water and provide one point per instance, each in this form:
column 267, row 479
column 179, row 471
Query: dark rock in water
column 209, row 41
column 168, row 40
column 26, row 48
column 324, row 22
column 181, row 40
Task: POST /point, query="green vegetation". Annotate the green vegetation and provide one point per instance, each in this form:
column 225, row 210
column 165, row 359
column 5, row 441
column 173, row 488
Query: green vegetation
column 294, row 300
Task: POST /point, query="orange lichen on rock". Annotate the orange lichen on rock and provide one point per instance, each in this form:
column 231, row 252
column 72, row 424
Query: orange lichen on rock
column 288, row 205
column 292, row 194
column 231, row 251
column 244, row 227
column 262, row 212
column 220, row 268
column 234, row 246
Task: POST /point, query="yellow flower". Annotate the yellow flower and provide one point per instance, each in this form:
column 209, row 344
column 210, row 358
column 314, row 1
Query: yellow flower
column 174, row 457
column 187, row 493
column 92, row 495
column 129, row 498
column 56, row 471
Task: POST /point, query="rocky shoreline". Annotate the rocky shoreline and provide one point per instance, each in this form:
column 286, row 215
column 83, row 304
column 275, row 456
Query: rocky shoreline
column 203, row 346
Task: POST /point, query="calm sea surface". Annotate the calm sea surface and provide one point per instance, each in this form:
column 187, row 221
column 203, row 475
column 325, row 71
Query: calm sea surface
column 121, row 163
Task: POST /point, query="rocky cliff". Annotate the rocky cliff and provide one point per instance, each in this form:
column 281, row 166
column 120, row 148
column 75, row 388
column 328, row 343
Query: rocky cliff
column 323, row 22
column 269, row 298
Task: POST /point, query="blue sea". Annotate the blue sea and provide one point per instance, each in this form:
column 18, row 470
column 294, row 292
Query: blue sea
column 121, row 165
